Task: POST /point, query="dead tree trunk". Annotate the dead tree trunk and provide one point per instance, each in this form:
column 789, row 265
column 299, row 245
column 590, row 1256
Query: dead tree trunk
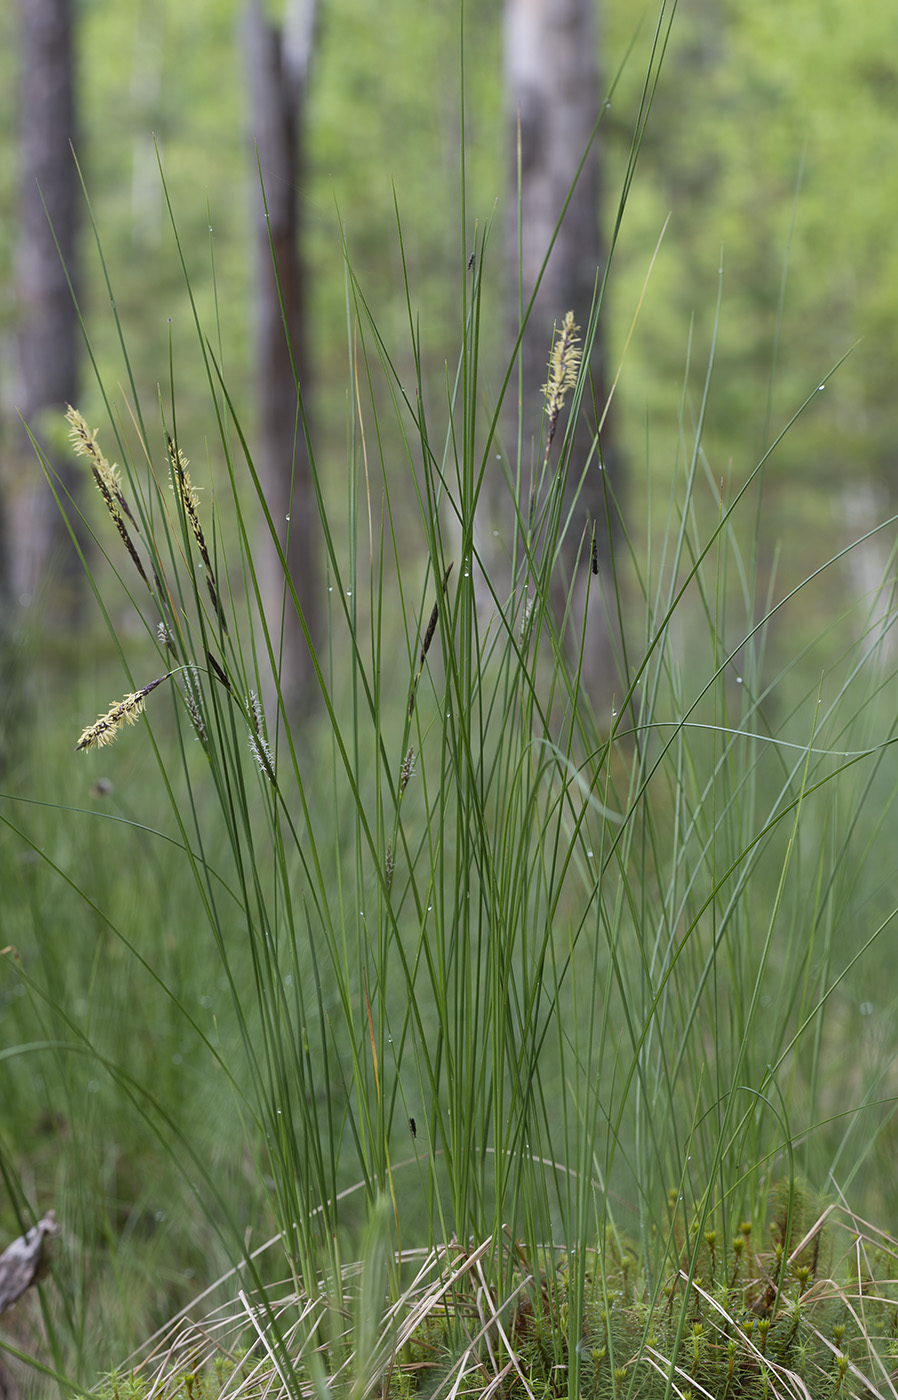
column 553, row 102
column 279, row 59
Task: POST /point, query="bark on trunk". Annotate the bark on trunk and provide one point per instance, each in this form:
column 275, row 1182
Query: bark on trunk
column 41, row 560
column 279, row 59
column 554, row 99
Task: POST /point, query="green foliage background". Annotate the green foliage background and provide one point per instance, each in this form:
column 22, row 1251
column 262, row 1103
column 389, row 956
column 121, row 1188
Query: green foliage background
column 772, row 141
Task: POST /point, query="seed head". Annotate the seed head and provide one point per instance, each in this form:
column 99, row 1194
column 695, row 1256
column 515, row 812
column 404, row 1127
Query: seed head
column 84, row 442
column 262, row 754
column 104, row 730
column 108, row 481
column 193, row 699
column 564, row 364
column 186, row 492
column 258, row 742
column 407, row 770
column 526, row 616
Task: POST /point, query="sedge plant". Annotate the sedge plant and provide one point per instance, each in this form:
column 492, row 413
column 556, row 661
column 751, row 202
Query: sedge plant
column 530, row 989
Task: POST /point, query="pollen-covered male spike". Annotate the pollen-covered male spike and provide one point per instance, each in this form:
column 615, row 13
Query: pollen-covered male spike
column 564, row 365
column 108, row 481
column 104, row 730
column 186, row 492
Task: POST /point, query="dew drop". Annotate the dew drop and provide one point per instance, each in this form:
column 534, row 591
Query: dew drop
column 820, row 388
column 287, row 518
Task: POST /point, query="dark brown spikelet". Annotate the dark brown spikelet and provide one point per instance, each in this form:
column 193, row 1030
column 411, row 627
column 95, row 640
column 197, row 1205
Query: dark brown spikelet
column 218, row 671
column 428, row 638
column 112, row 503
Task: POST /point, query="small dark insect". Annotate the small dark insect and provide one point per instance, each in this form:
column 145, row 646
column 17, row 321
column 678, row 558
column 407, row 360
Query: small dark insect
column 412, row 1127
column 470, row 262
column 595, row 555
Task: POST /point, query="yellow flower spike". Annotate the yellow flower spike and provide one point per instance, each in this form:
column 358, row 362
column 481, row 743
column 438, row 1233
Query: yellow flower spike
column 187, row 494
column 104, row 730
column 563, row 365
column 108, row 480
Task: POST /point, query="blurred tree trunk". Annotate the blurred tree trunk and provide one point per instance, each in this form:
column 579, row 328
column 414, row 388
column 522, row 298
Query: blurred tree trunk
column 279, row 57
column 37, row 560
column 37, row 539
column 553, row 99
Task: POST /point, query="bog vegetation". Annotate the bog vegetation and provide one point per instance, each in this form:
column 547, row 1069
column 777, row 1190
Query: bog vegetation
column 478, row 1029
